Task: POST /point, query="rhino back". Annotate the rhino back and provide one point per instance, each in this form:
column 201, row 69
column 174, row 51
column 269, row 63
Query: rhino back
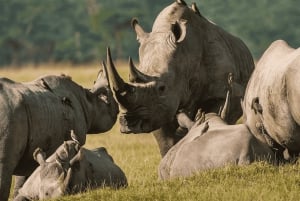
column 221, row 145
column 35, row 113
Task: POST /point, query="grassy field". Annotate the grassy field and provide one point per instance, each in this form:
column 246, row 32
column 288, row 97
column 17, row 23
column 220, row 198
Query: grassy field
column 138, row 156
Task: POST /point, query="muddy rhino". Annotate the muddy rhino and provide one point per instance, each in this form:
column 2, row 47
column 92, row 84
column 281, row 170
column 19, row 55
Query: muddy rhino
column 71, row 169
column 41, row 114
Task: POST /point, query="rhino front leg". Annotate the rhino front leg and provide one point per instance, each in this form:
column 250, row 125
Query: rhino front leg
column 11, row 149
column 6, row 172
column 166, row 137
column 5, row 182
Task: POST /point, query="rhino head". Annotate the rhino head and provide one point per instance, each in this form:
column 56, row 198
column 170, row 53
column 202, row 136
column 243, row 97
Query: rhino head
column 105, row 108
column 184, row 64
column 55, row 175
column 165, row 79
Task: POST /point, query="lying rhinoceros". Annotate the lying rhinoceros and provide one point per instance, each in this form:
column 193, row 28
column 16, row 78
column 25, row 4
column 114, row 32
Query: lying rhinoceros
column 71, row 169
column 271, row 102
column 212, row 143
column 184, row 63
column 41, row 113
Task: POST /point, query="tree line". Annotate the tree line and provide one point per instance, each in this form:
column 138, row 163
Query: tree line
column 79, row 31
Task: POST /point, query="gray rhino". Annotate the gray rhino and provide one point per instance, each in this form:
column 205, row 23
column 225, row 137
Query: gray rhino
column 41, row 113
column 71, row 169
column 212, row 143
column 184, row 63
column 271, row 99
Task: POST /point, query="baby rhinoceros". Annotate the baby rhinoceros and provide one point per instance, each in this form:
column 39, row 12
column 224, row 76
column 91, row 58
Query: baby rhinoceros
column 211, row 143
column 71, row 169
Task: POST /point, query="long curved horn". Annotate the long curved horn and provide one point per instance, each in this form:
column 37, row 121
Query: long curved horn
column 137, row 76
column 105, row 72
column 116, row 82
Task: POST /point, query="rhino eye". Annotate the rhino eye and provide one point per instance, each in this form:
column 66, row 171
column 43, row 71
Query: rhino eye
column 161, row 89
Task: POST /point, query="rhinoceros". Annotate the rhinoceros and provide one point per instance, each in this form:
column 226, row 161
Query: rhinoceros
column 41, row 113
column 71, row 169
column 212, row 143
column 271, row 99
column 184, row 64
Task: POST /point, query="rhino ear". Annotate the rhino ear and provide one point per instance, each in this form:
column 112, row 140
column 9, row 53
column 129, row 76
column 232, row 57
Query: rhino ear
column 39, row 156
column 140, row 33
column 179, row 30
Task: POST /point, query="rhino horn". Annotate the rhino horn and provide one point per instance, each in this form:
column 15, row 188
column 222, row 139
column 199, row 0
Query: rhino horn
column 226, row 107
column 116, row 82
column 104, row 68
column 137, row 76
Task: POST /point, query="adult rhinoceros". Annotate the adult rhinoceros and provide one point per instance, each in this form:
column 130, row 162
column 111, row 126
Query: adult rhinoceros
column 71, row 169
column 212, row 144
column 184, row 64
column 272, row 97
column 41, row 113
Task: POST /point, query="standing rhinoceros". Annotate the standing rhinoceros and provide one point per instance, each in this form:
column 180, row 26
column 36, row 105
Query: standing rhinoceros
column 41, row 113
column 71, row 169
column 184, row 63
column 271, row 101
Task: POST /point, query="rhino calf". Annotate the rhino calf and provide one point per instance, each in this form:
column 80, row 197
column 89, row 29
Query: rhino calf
column 212, row 144
column 41, row 114
column 71, row 169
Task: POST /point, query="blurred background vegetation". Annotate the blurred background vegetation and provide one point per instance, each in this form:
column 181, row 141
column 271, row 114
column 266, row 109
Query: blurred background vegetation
column 78, row 31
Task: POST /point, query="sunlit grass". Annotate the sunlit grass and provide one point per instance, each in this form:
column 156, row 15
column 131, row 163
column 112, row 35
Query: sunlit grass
column 138, row 156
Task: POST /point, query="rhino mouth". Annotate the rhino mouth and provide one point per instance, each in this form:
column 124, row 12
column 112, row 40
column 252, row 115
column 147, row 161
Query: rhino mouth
column 135, row 124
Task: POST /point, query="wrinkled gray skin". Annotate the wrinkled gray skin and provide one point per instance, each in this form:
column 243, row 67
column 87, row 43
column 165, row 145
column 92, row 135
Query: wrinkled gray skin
column 70, row 170
column 212, row 144
column 41, row 114
column 272, row 97
column 185, row 56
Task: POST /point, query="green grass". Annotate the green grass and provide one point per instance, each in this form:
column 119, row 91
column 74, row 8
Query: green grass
column 138, row 156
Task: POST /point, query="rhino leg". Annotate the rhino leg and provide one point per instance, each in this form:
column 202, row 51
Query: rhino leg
column 166, row 138
column 7, row 166
column 12, row 147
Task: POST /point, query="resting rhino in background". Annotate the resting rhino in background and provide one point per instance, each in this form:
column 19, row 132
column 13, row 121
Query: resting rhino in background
column 184, row 63
column 272, row 97
column 71, row 169
column 212, row 143
column 41, row 113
